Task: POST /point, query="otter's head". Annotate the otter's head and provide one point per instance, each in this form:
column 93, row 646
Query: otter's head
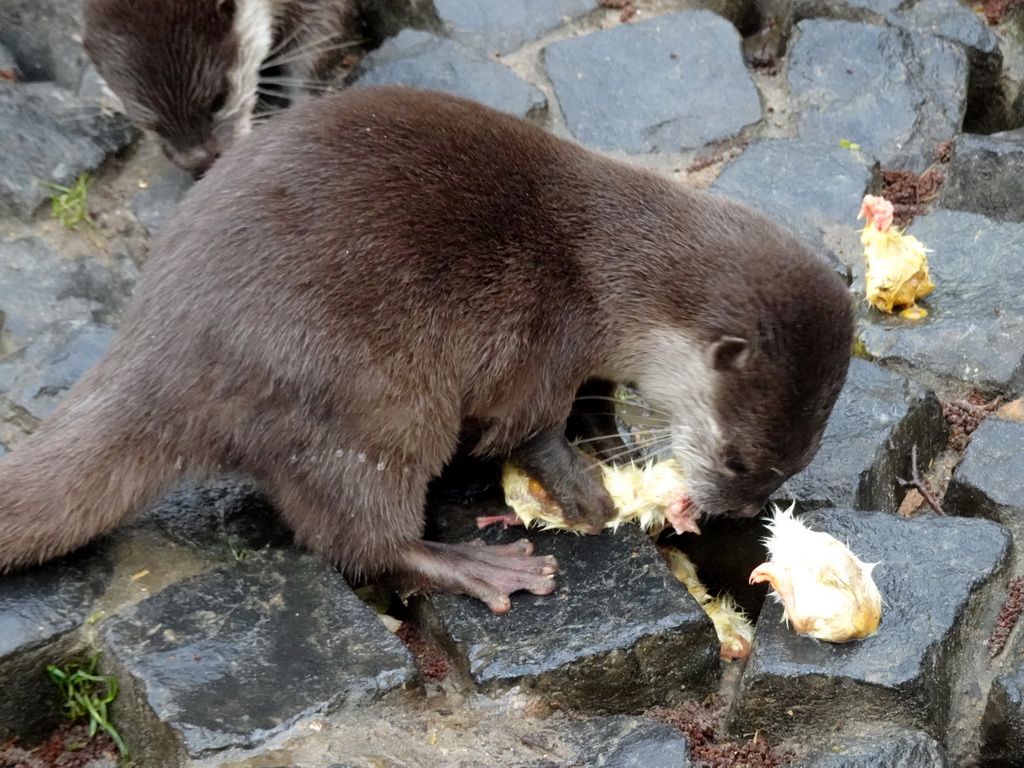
column 748, row 389
column 185, row 69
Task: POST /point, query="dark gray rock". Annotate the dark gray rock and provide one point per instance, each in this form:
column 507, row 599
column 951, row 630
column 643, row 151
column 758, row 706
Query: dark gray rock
column 50, row 136
column 975, row 328
column 895, row 93
column 35, row 382
column 661, row 85
column 43, row 35
column 1002, row 726
column 153, row 206
column 989, row 480
column 40, row 287
column 235, row 655
column 226, row 518
column 423, row 60
column 779, row 178
column 620, row 634
column 508, row 25
column 867, row 444
column 929, row 569
column 41, row 612
column 8, row 65
column 986, row 176
column 877, row 746
column 626, row 742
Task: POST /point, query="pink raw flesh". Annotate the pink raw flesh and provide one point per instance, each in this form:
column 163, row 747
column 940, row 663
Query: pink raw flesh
column 507, row 519
column 682, row 515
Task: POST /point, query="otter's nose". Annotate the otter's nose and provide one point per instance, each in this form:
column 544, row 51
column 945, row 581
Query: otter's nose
column 196, row 160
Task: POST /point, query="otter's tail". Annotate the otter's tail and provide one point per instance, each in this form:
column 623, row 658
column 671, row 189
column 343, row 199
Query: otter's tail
column 94, row 462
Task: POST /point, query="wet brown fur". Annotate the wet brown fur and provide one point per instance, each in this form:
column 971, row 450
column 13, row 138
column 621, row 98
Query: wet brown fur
column 349, row 289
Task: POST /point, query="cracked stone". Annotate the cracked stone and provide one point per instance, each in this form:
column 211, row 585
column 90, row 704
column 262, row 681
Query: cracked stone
column 843, row 75
column 43, row 36
column 661, row 85
column 423, row 60
column 234, row 656
column 929, row 569
column 989, row 480
column 620, row 640
column 975, row 328
column 50, row 136
column 867, row 444
column 503, row 27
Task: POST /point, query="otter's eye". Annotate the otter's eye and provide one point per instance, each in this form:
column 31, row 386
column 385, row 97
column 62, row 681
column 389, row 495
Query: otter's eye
column 734, row 463
column 218, row 103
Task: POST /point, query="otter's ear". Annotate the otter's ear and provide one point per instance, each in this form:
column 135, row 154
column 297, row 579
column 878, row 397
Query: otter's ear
column 729, row 353
column 226, row 8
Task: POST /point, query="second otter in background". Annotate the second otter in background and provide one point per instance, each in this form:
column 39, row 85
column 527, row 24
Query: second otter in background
column 190, row 70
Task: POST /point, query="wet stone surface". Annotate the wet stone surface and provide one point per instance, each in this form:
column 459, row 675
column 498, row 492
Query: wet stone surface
column 876, row 746
column 50, row 136
column 989, row 481
column 41, row 611
column 929, row 569
column 508, row 25
column 619, row 634
column 765, row 175
column 975, row 329
column 843, row 75
column 423, row 60
column 153, row 204
column 867, row 445
column 232, row 656
column 986, row 176
column 1002, row 728
column 660, row 85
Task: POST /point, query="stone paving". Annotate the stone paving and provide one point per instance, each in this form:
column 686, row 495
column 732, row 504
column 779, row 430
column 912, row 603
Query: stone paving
column 235, row 649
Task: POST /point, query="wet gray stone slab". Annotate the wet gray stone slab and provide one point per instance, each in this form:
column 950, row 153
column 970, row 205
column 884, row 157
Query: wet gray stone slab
column 36, row 380
column 386, row 18
column 660, row 85
column 804, row 185
column 152, row 206
column 424, row 60
column 844, row 77
column 43, row 35
column 1002, row 725
column 989, row 480
column 975, row 328
column 619, row 634
column 941, row 18
column 40, row 287
column 867, row 444
column 42, row 610
column 50, row 136
column 627, row 742
column 929, row 568
column 508, row 25
column 225, row 518
column 986, row 176
column 877, row 746
column 236, row 655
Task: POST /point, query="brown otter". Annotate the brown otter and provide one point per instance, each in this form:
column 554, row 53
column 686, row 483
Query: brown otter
column 189, row 70
column 382, row 270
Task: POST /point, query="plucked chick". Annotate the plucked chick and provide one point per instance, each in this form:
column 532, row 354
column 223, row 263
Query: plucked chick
column 826, row 591
column 897, row 264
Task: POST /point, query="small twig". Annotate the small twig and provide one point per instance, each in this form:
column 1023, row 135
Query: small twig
column 530, row 743
column 917, row 483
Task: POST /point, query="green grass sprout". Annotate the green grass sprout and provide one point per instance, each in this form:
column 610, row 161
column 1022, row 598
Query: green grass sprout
column 86, row 696
column 68, row 206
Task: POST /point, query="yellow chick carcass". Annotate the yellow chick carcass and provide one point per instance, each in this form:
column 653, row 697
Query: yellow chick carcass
column 648, row 495
column 826, row 591
column 734, row 630
column 897, row 264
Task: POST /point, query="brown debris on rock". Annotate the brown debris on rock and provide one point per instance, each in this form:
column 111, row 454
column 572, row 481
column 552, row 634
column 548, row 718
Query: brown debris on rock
column 1008, row 617
column 910, row 193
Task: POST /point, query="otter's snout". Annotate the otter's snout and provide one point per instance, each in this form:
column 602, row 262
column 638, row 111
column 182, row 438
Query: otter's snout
column 197, row 160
